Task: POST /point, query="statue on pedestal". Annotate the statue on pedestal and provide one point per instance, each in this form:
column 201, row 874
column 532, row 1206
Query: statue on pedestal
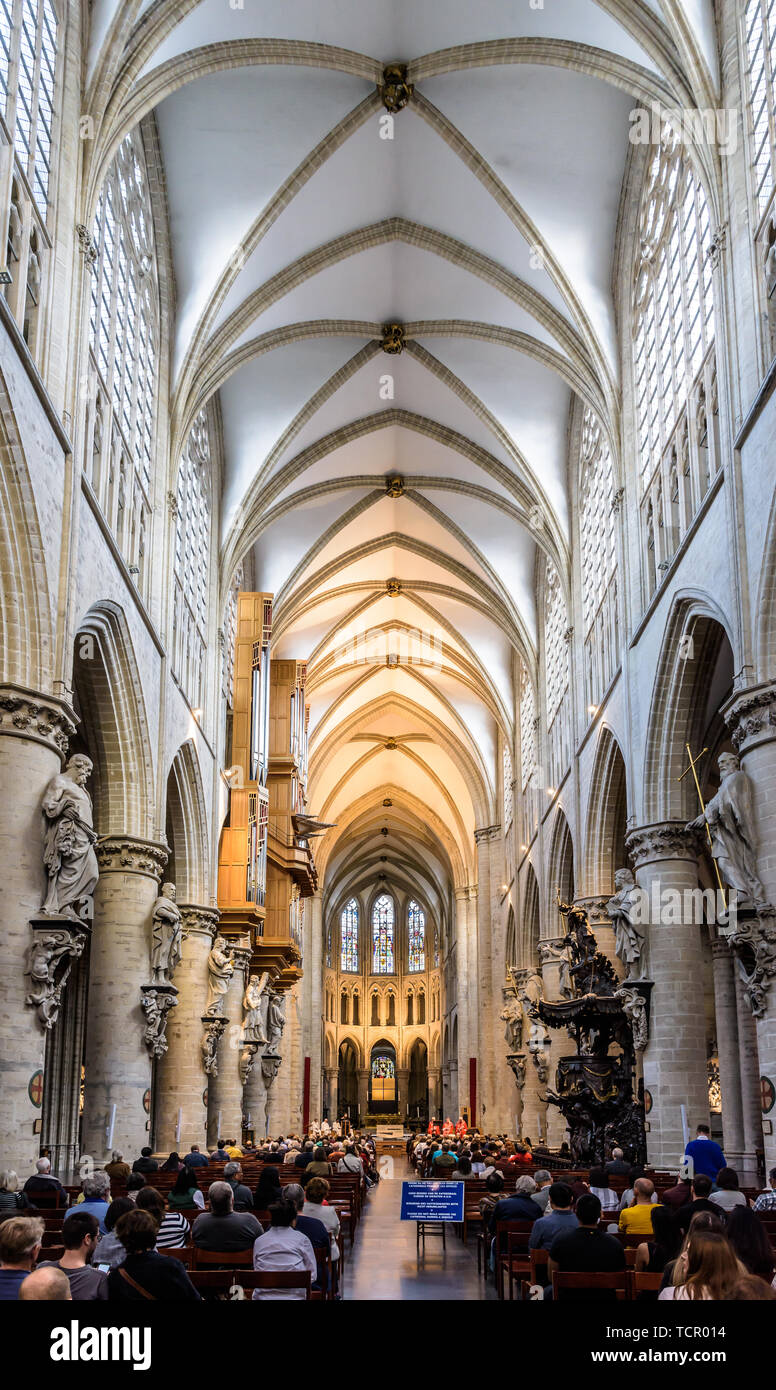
column 253, row 1027
column 220, row 969
column 730, row 819
column 628, row 940
column 276, row 1019
column 69, row 854
column 166, row 936
column 512, row 1016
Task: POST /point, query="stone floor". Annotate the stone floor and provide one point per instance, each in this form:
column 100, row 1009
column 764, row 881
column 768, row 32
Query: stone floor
column 386, row 1265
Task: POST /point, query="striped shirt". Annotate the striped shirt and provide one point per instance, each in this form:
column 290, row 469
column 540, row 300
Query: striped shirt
column 174, row 1231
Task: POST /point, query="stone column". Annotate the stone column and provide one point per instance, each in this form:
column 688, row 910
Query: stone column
column 363, row 1093
column 749, row 1073
column 675, row 1070
column 118, row 1063
column 225, row 1091
column 751, row 717
column 466, row 955
column 330, row 1102
column 434, row 1090
column 559, row 1042
column 726, row 1014
column 402, row 1091
column 488, row 839
column 34, row 731
column 255, row 1098
column 181, row 1082
column 312, row 1003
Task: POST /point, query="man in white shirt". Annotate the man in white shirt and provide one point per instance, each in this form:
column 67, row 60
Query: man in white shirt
column 283, row 1249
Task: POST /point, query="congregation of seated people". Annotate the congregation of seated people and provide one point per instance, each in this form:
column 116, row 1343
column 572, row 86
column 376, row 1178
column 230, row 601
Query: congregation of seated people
column 613, row 1229
column 158, row 1229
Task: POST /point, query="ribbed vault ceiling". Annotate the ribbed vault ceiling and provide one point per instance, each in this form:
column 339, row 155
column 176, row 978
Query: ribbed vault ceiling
column 486, row 226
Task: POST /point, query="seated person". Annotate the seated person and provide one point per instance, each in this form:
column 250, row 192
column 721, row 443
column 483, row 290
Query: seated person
column 185, row 1193
column 443, row 1162
column 80, row 1234
column 767, row 1199
column 49, row 1285
column 223, row 1228
column 599, row 1186
column 43, row 1183
column 267, row 1189
column 587, row 1250
column 316, row 1206
column 700, row 1191
column 559, row 1220
column 146, row 1275
column 541, row 1196
column 616, row 1164
column 663, row 1247
column 173, row 1231
column 195, row 1159
column 309, row 1226
column 12, row 1196
column 20, row 1240
column 146, row 1163
column 243, row 1198
column 520, row 1207
column 110, row 1251
column 727, row 1194
column 117, row 1169
column 637, row 1219
column 750, row 1240
column 96, row 1198
column 282, row 1248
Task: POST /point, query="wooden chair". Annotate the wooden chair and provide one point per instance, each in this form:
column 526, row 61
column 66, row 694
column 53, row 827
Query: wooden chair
column 52, row 1252
column 538, row 1272
column 642, row 1282
column 184, row 1253
column 217, row 1282
column 222, row 1259
column 504, row 1229
column 571, row 1283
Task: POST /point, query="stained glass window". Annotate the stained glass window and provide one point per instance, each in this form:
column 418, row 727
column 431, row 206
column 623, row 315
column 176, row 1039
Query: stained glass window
column 382, row 936
column 349, row 936
column 383, row 1068
column 508, row 791
column 417, row 933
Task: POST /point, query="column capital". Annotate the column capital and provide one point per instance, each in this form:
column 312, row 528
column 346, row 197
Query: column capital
column 126, row 854
column 38, row 718
column 486, row 833
column 196, row 919
column 595, row 907
column 649, row 844
column 750, row 714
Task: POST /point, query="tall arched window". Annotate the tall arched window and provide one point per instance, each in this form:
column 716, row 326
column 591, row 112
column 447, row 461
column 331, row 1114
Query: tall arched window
column 599, row 560
column 28, row 64
column 416, row 918
column 760, row 59
column 674, row 362
column 349, row 936
column 383, row 936
column 124, row 342
column 556, row 656
column 528, row 761
column 508, row 798
column 192, row 561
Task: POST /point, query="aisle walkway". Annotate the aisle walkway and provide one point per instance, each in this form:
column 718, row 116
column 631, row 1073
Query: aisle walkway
column 385, row 1264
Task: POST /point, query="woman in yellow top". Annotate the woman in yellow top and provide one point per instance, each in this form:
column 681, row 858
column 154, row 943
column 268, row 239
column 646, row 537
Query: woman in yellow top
column 636, row 1220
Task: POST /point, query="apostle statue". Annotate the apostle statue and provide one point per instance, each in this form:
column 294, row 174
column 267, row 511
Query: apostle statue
column 512, row 1016
column 628, row 940
column 165, row 936
column 220, row 969
column 730, row 818
column 276, row 1019
column 69, row 848
column 253, row 1029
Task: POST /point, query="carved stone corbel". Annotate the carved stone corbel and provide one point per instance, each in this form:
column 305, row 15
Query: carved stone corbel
column 248, row 1051
column 517, row 1063
column 214, row 1030
column 270, row 1066
column 156, row 1002
column 56, row 943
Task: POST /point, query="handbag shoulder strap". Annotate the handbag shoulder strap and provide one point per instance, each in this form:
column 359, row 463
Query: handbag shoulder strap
column 135, row 1285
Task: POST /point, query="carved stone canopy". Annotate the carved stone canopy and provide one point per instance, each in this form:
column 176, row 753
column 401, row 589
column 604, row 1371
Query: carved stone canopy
column 395, row 90
column 751, row 716
column 56, row 943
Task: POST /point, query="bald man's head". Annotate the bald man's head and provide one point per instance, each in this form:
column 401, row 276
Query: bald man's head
column 644, row 1189
column 46, row 1284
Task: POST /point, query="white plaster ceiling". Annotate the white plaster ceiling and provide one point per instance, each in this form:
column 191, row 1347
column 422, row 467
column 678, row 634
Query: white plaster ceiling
column 486, row 224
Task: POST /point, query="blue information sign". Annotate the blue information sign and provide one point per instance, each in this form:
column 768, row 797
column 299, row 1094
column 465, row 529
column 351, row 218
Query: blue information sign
column 432, row 1201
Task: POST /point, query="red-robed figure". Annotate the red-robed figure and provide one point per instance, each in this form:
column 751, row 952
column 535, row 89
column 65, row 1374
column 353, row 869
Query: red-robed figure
column 460, row 1127
column 447, row 1127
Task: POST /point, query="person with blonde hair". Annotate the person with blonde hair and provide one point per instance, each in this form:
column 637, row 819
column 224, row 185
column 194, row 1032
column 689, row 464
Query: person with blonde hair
column 712, row 1269
column 20, row 1240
